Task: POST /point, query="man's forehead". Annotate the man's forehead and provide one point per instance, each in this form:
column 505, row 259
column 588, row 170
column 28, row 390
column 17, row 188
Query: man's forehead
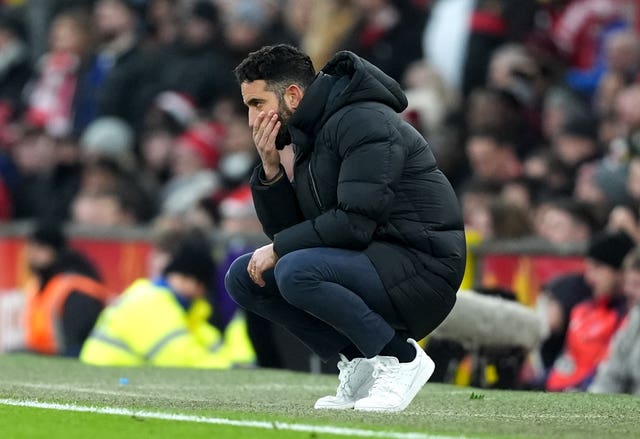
column 253, row 88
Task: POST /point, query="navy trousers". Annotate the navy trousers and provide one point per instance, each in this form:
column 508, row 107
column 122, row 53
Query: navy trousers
column 329, row 298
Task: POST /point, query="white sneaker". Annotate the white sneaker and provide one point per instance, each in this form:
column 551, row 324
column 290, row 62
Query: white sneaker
column 355, row 381
column 396, row 384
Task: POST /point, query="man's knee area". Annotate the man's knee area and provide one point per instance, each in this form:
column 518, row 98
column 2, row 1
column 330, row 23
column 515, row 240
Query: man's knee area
column 286, row 270
column 235, row 276
column 290, row 272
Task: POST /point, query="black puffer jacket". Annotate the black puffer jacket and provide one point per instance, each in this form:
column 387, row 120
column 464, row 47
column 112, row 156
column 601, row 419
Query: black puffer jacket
column 366, row 180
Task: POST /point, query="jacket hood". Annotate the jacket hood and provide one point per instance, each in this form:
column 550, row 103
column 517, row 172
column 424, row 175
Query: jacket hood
column 366, row 83
column 346, row 79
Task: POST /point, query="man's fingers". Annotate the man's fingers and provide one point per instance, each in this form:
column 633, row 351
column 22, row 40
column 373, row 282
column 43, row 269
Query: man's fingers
column 259, row 280
column 268, row 129
column 251, row 269
column 258, row 122
column 274, row 133
column 255, row 274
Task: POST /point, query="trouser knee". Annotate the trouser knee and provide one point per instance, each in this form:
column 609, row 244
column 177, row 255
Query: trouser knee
column 291, row 274
column 238, row 282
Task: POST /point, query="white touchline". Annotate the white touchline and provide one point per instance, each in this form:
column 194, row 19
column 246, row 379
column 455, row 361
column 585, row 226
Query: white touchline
column 275, row 425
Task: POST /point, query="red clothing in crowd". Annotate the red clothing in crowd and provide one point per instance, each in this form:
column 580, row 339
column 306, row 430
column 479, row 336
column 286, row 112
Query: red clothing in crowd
column 5, row 202
column 591, row 327
column 577, row 28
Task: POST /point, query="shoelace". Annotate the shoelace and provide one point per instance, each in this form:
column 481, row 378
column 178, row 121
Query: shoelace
column 384, row 378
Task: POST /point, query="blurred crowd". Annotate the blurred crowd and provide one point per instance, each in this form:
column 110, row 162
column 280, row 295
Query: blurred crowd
column 126, row 112
column 119, row 112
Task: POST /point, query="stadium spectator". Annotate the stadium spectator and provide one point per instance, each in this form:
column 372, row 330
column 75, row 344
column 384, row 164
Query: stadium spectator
column 195, row 65
column 109, row 138
column 621, row 69
column 193, row 175
column 237, row 161
column 593, row 322
column 624, row 218
column 492, row 109
column 492, row 156
column 430, row 104
column 118, row 78
column 602, row 183
column 563, row 221
column 556, row 301
column 581, row 31
column 347, row 226
column 65, row 296
column 104, row 208
column 475, row 197
column 47, row 181
column 559, row 106
column 577, row 143
column 520, row 192
column 106, row 177
column 163, row 321
column 15, row 69
column 101, row 175
column 162, row 22
column 549, row 176
column 626, row 142
column 508, row 221
column 491, row 24
column 50, row 101
column 246, row 27
column 388, row 34
column 170, row 115
column 620, row 373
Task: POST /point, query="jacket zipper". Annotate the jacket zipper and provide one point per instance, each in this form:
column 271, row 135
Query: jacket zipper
column 314, row 189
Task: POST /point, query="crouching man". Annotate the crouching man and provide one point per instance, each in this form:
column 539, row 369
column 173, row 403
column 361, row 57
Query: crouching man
column 368, row 244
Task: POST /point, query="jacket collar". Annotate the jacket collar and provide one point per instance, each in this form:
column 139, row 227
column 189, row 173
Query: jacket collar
column 308, row 117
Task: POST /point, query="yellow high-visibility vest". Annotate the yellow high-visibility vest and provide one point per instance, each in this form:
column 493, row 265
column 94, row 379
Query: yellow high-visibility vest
column 147, row 325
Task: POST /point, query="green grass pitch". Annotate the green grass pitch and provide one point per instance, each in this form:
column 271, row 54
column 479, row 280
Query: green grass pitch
column 55, row 398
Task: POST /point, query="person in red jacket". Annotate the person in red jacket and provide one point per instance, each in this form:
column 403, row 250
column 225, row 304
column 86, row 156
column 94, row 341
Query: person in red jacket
column 593, row 322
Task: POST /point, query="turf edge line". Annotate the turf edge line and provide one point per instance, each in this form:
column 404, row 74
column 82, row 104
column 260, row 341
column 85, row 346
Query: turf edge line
column 275, row 425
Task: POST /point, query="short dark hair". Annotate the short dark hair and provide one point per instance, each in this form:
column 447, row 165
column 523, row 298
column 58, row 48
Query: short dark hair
column 279, row 66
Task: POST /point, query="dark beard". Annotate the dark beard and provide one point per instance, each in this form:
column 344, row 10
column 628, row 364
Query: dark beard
column 283, row 138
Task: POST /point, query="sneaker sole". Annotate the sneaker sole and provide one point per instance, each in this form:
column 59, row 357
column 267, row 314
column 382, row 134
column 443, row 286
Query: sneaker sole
column 422, row 377
column 345, row 406
column 348, row 405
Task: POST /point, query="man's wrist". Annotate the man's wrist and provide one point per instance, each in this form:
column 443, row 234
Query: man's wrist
column 271, row 172
column 271, row 177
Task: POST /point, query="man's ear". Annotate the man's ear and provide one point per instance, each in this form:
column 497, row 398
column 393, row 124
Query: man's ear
column 293, row 95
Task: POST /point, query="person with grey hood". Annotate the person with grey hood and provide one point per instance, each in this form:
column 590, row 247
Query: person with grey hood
column 368, row 245
column 620, row 373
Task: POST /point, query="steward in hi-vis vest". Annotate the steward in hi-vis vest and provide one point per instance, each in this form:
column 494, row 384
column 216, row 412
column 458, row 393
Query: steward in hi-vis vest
column 64, row 297
column 165, row 322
